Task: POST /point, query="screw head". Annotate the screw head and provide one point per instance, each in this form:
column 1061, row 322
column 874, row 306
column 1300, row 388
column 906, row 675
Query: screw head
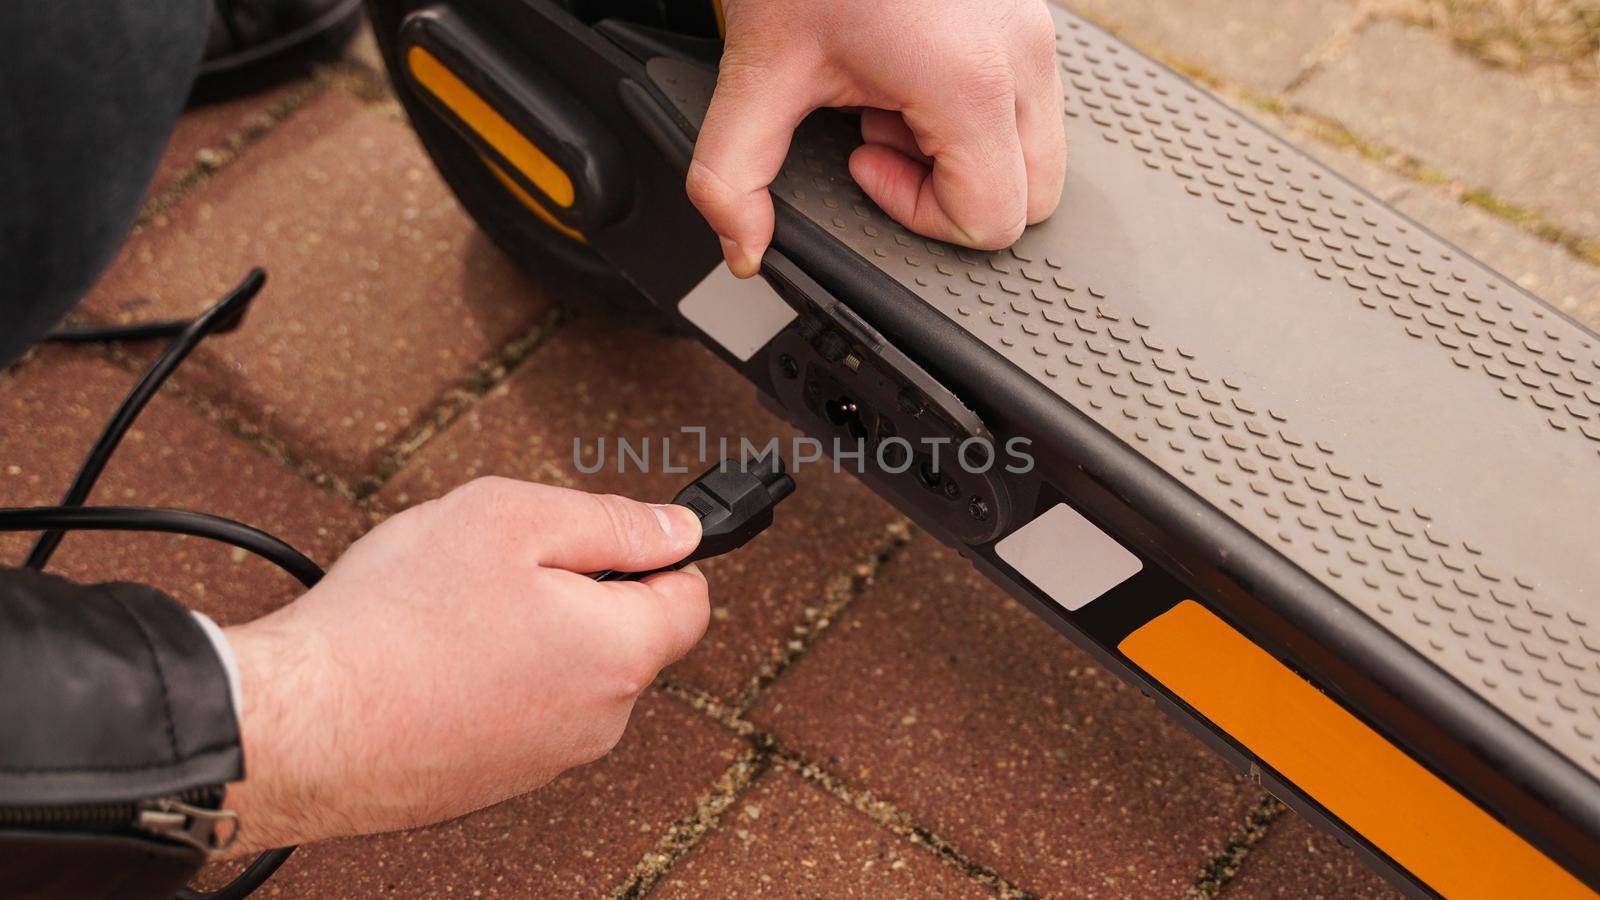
column 952, row 490
column 978, row 508
column 789, row 368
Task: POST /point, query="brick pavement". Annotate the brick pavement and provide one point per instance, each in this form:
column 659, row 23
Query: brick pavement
column 579, row 836
column 1296, row 860
column 176, row 455
column 943, row 696
column 866, row 716
column 381, row 298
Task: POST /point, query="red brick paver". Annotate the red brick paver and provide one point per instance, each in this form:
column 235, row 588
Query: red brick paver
column 595, row 382
column 172, row 457
column 787, row 838
column 205, row 133
column 382, row 295
column 946, row 698
column 579, row 836
column 1295, row 859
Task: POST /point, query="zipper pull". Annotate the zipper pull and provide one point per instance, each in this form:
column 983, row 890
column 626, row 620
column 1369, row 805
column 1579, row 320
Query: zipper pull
column 196, row 826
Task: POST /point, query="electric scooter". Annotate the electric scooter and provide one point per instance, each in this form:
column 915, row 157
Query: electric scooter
column 1317, row 482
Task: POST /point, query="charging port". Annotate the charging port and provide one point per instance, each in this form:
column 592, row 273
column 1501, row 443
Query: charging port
column 884, row 427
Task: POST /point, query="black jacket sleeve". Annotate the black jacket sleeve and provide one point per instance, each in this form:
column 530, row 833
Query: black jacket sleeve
column 117, row 738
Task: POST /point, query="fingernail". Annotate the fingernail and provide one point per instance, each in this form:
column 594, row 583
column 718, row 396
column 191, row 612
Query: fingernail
column 741, row 260
column 666, row 513
column 693, row 568
column 664, row 518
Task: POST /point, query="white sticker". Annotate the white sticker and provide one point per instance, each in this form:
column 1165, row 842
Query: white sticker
column 740, row 314
column 1067, row 558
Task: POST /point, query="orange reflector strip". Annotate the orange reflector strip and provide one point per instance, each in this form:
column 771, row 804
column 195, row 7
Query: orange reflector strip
column 533, row 205
column 482, row 118
column 722, row 20
column 1382, row 794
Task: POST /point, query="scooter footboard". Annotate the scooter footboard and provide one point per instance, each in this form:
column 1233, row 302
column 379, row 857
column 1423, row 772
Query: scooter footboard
column 1350, row 439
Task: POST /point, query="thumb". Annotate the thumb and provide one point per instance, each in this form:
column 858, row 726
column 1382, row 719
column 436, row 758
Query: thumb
column 746, row 135
column 583, row 532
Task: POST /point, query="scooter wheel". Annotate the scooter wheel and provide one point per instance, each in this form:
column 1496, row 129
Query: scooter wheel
column 578, row 277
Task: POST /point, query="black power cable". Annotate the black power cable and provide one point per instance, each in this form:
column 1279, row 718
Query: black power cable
column 227, row 310
column 140, row 331
column 166, row 521
column 71, row 515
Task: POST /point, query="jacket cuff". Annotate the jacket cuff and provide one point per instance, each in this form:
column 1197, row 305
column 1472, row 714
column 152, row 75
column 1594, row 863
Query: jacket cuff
column 108, row 693
column 224, row 651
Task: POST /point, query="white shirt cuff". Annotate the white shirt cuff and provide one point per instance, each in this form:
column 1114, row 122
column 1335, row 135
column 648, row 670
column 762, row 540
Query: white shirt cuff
column 230, row 665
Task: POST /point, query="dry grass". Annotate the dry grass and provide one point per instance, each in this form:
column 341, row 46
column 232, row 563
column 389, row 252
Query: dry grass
column 1514, row 34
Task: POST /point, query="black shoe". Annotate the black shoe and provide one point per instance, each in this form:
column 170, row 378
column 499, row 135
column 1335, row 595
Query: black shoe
column 255, row 43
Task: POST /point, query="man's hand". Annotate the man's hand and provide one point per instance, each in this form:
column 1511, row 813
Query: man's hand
column 963, row 120
column 455, row 657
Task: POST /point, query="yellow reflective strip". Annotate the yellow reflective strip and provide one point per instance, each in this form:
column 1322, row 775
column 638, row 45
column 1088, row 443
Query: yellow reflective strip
column 535, row 206
column 1423, row 824
column 482, row 118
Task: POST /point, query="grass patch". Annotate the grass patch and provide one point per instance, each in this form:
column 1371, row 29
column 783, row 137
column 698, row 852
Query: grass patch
column 1331, row 132
column 1513, row 34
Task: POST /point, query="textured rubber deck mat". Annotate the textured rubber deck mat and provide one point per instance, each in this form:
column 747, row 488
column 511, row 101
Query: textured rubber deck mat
column 1398, row 420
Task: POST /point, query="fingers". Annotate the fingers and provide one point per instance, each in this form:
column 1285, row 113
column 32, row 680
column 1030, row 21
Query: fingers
column 881, row 126
column 656, row 621
column 592, row 532
column 742, row 145
column 976, row 190
column 1044, row 151
column 577, row 531
column 684, row 602
column 1041, row 126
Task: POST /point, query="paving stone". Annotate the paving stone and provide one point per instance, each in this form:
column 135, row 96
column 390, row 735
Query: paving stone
column 579, row 836
column 1261, row 44
column 381, row 294
column 173, row 457
column 592, row 382
column 1532, row 143
column 204, row 132
column 1539, row 266
column 946, row 698
column 1295, row 859
column 788, row 838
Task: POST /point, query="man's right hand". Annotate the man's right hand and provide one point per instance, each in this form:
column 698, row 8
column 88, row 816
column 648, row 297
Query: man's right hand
column 457, row 656
column 962, row 134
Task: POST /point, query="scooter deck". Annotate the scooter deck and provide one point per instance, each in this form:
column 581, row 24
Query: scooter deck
column 1365, row 401
column 1317, row 482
